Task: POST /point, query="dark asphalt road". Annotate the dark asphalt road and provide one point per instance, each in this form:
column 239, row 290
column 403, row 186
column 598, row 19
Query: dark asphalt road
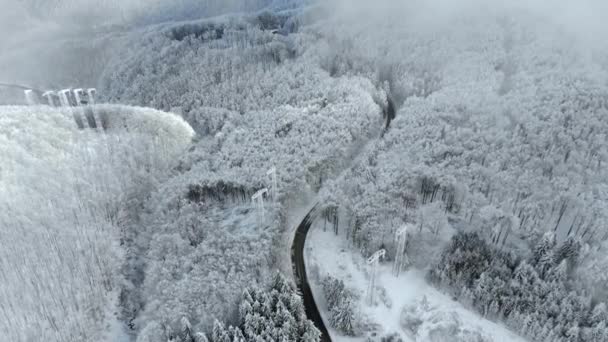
column 299, row 270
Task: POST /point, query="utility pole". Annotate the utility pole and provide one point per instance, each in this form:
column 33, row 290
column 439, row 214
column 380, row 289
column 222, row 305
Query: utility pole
column 272, row 174
column 77, row 96
column 50, row 97
column 373, row 260
column 400, row 241
column 258, row 201
column 63, row 97
column 29, row 97
column 91, row 92
column 90, row 101
column 81, row 111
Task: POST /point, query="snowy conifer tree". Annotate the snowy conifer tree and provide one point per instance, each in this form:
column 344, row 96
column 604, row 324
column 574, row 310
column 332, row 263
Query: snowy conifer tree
column 343, row 317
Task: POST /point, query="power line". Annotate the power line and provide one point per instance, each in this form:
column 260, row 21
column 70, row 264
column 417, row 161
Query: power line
column 18, row 86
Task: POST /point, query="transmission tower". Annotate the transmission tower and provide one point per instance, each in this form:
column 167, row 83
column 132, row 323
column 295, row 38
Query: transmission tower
column 91, row 92
column 400, row 257
column 29, row 97
column 50, row 97
column 258, row 201
column 272, row 174
column 373, row 260
column 64, row 97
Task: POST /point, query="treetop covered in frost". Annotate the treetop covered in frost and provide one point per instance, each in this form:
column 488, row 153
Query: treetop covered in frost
column 64, row 192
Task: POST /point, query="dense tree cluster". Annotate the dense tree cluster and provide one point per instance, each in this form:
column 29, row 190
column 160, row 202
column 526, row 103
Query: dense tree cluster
column 342, row 307
column 268, row 314
column 509, row 139
column 535, row 296
column 193, row 255
column 500, row 128
column 65, row 194
column 257, row 99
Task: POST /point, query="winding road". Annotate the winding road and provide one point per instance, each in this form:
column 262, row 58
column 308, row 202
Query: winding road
column 299, row 270
column 297, row 248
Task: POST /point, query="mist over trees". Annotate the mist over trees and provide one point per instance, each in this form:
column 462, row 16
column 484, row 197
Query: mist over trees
column 500, row 131
column 516, row 152
column 136, row 12
column 498, row 126
column 482, row 125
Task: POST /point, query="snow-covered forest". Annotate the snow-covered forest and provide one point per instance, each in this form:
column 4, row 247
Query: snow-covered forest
column 482, row 126
column 64, row 195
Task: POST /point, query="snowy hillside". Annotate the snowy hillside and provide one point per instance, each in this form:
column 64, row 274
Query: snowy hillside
column 255, row 102
column 407, row 307
column 64, row 193
column 484, row 114
column 305, row 126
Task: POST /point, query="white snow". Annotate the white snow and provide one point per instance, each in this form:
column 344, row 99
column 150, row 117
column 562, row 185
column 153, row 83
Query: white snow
column 327, row 253
column 63, row 194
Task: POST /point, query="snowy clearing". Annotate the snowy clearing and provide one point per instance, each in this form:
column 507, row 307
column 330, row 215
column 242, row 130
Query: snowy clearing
column 327, row 253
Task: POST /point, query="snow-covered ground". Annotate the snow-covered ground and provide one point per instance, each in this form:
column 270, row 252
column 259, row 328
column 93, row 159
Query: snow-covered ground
column 493, row 105
column 327, row 253
column 64, row 193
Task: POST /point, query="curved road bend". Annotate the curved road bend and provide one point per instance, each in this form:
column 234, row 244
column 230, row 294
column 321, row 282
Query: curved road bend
column 299, row 270
column 297, row 248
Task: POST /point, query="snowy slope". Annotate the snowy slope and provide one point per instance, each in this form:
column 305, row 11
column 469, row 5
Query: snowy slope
column 328, row 254
column 63, row 193
column 501, row 110
column 467, row 80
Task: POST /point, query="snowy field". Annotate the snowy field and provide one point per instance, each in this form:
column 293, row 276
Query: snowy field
column 327, row 253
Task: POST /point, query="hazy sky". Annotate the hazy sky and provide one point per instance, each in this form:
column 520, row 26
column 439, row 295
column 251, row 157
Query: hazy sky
column 38, row 33
column 586, row 17
column 47, row 42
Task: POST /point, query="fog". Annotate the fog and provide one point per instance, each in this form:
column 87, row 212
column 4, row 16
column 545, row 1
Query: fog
column 585, row 18
column 46, row 43
column 65, row 43
column 41, row 47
